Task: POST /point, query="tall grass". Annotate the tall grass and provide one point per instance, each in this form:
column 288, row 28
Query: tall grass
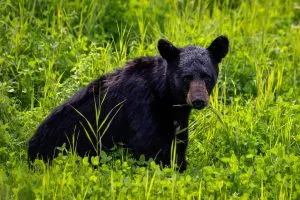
column 246, row 145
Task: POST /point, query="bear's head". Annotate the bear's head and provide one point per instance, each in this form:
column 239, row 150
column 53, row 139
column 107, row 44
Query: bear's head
column 192, row 71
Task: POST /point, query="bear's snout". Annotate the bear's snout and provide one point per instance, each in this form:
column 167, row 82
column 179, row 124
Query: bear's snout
column 197, row 96
column 198, row 104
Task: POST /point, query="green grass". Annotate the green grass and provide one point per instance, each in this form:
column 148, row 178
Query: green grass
column 246, row 145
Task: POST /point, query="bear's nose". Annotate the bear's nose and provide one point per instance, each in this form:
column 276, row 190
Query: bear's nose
column 198, row 104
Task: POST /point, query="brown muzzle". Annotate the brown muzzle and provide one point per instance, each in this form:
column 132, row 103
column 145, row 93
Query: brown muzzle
column 197, row 96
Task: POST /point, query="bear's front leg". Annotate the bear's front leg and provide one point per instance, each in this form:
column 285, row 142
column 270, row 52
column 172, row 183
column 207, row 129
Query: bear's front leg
column 181, row 142
column 156, row 145
column 181, row 116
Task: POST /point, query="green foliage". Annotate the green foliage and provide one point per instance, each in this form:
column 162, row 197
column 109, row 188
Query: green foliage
column 245, row 145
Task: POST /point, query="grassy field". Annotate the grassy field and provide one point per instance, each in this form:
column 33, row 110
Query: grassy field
column 245, row 146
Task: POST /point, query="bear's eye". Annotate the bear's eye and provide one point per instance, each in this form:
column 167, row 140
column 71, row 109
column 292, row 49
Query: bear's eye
column 208, row 82
column 206, row 79
column 187, row 78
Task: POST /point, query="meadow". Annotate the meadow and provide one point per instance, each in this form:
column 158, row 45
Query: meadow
column 245, row 145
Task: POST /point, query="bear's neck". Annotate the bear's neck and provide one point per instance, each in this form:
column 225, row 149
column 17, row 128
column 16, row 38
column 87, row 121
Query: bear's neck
column 155, row 69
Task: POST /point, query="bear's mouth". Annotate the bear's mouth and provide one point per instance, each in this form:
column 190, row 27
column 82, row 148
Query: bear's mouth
column 198, row 104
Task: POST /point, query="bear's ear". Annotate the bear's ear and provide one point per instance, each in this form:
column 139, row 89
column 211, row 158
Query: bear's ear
column 219, row 48
column 167, row 50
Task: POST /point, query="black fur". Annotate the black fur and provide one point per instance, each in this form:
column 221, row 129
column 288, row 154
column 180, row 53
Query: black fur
column 144, row 104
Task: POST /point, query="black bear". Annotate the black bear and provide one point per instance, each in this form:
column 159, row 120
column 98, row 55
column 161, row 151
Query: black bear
column 140, row 106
